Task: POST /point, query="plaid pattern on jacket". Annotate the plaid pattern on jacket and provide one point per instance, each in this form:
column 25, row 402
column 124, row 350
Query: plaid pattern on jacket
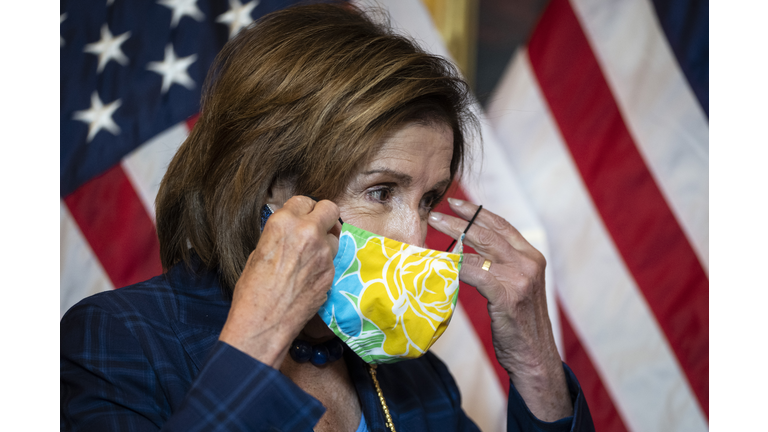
column 147, row 357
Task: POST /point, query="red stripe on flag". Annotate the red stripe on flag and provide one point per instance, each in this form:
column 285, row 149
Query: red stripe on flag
column 642, row 226
column 601, row 407
column 117, row 227
column 474, row 304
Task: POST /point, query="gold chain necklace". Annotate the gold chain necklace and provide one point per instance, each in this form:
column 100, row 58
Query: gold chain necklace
column 372, row 370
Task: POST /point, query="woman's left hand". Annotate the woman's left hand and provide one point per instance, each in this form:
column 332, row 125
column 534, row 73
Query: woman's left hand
column 517, row 303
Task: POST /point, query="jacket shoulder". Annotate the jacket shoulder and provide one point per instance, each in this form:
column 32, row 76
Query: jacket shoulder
column 148, row 298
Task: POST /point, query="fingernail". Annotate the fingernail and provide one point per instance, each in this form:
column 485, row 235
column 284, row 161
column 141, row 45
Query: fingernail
column 436, row 217
column 456, row 202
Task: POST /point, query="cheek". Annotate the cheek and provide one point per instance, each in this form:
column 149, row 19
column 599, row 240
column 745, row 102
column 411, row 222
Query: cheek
column 399, row 223
column 362, row 216
column 405, row 225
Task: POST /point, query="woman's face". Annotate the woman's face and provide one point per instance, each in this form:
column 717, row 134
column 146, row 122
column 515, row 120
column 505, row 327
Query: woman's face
column 393, row 194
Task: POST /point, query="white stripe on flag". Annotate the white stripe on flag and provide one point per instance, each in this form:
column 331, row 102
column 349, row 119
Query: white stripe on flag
column 607, row 311
column 146, row 166
column 658, row 106
column 81, row 273
column 483, row 398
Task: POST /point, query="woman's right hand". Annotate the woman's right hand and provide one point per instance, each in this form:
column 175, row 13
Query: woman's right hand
column 285, row 280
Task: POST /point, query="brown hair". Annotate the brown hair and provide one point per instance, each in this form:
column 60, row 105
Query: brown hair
column 305, row 95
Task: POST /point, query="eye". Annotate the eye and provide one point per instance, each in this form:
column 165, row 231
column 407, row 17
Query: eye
column 381, row 194
column 431, row 200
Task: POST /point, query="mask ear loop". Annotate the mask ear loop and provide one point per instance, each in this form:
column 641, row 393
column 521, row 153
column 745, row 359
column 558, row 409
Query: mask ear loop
column 471, row 221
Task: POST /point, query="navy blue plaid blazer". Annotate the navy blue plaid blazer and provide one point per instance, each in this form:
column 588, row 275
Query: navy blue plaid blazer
column 147, row 357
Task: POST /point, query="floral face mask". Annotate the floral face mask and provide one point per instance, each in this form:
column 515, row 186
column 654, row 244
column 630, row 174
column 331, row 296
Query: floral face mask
column 389, row 300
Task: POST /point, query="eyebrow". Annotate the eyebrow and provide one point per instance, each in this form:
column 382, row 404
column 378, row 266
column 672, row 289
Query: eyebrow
column 404, row 178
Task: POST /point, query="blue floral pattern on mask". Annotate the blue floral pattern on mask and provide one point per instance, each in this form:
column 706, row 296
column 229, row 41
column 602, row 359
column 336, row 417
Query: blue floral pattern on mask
column 345, row 284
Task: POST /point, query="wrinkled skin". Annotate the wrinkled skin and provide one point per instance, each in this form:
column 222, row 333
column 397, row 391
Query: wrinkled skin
column 288, row 274
column 517, row 304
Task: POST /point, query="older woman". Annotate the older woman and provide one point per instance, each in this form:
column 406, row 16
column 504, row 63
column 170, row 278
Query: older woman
column 314, row 101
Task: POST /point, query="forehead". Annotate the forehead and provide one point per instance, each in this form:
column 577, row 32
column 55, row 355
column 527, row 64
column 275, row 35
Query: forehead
column 417, row 147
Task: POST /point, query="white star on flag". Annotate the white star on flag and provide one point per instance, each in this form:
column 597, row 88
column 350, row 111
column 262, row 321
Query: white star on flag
column 108, row 48
column 99, row 116
column 238, row 16
column 173, row 69
column 180, row 8
column 61, row 20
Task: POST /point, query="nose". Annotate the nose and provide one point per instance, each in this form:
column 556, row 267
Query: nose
column 410, row 228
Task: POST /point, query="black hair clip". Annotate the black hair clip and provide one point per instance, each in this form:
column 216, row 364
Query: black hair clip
column 471, row 221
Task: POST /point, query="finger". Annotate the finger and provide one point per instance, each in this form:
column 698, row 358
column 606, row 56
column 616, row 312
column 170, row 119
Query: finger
column 336, row 230
column 489, row 220
column 299, row 205
column 326, row 213
column 333, row 236
column 333, row 241
column 472, row 273
column 484, row 241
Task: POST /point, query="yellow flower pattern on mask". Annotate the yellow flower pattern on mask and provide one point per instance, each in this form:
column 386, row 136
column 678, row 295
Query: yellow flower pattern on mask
column 408, row 292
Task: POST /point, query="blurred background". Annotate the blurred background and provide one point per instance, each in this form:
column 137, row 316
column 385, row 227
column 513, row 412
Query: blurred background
column 595, row 145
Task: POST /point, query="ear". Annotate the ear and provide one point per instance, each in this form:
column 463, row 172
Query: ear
column 279, row 192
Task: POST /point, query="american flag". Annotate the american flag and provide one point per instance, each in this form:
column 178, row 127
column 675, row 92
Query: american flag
column 131, row 76
column 595, row 147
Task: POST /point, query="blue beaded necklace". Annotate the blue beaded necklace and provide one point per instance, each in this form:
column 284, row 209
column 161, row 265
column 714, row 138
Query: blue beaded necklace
column 317, row 354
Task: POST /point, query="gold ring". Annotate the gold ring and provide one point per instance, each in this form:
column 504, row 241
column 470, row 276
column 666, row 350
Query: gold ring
column 487, row 265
